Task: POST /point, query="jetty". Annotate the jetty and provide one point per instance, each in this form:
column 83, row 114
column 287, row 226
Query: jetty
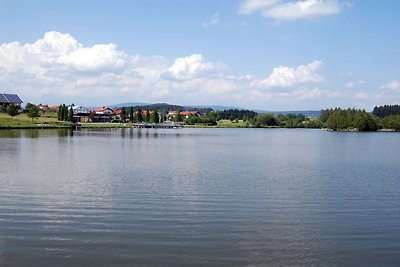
column 169, row 125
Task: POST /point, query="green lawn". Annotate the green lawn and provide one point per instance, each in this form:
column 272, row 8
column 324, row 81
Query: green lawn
column 50, row 120
column 232, row 124
column 22, row 121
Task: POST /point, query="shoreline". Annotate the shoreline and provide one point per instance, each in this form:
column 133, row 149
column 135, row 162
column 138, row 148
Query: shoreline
column 131, row 126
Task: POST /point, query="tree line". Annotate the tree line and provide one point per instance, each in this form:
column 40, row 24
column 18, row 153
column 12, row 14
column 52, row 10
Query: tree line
column 232, row 114
column 386, row 110
column 350, row 119
column 65, row 113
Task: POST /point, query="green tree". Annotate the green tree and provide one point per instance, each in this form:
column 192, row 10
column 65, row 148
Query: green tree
column 64, row 116
column 12, row 110
column 178, row 116
column 154, row 117
column 147, row 116
column 71, row 114
column 28, row 106
column 123, row 114
column 131, row 114
column 268, row 119
column 59, row 113
column 33, row 112
column 391, row 122
column 139, row 116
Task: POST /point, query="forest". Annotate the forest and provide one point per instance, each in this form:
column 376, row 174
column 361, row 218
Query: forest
column 386, row 110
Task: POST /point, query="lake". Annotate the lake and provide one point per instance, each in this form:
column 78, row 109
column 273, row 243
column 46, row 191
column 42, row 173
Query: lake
column 199, row 197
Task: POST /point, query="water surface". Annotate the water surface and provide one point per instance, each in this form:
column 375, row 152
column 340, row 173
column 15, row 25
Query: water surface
column 199, row 197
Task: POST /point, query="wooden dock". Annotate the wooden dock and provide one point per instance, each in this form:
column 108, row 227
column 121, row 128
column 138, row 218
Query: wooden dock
column 159, row 125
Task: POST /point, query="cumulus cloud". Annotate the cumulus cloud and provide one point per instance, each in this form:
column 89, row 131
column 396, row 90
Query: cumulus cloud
column 96, row 58
column 214, row 20
column 58, row 68
column 283, row 76
column 193, row 66
column 291, row 10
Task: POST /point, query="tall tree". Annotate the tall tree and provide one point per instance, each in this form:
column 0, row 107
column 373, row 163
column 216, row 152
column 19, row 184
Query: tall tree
column 139, row 115
column 131, row 114
column 59, row 113
column 71, row 114
column 147, row 116
column 154, row 117
column 178, row 116
column 64, row 113
column 123, row 115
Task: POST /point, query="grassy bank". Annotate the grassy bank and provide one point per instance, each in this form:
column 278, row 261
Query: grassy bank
column 232, row 124
column 22, row 121
column 49, row 120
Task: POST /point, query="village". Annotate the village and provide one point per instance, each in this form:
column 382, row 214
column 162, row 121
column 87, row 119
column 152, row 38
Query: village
column 78, row 115
column 140, row 118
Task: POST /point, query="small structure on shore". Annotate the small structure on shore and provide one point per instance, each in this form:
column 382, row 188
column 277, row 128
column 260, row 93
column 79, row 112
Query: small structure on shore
column 9, row 99
column 81, row 114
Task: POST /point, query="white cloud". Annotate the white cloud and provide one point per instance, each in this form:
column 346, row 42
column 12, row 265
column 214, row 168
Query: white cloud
column 283, row 76
column 192, row 66
column 250, row 6
column 353, row 84
column 96, row 58
column 214, row 20
column 291, row 10
column 361, row 96
column 57, row 68
column 393, row 85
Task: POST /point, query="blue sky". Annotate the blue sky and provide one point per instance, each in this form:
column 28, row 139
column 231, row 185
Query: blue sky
column 257, row 54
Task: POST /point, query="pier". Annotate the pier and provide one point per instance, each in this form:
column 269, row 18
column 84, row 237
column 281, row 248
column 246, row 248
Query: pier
column 159, row 125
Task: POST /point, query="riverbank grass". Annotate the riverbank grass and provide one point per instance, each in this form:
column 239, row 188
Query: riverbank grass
column 232, row 124
column 23, row 121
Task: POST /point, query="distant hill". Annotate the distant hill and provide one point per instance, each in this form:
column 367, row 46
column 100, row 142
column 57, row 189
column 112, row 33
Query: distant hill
column 128, row 105
column 160, row 107
column 215, row 108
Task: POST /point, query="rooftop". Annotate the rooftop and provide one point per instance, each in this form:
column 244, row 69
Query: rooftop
column 10, row 98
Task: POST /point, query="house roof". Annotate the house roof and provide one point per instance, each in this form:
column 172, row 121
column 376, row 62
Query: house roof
column 184, row 113
column 101, row 109
column 188, row 113
column 10, row 98
column 80, row 109
column 117, row 111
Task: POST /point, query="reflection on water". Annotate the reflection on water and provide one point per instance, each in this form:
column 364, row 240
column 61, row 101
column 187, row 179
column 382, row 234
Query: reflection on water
column 123, row 132
column 184, row 197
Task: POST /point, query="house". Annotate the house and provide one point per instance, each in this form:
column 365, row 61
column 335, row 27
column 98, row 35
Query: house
column 117, row 114
column 81, row 114
column 53, row 108
column 43, row 107
column 102, row 114
column 184, row 114
column 187, row 114
column 9, row 99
